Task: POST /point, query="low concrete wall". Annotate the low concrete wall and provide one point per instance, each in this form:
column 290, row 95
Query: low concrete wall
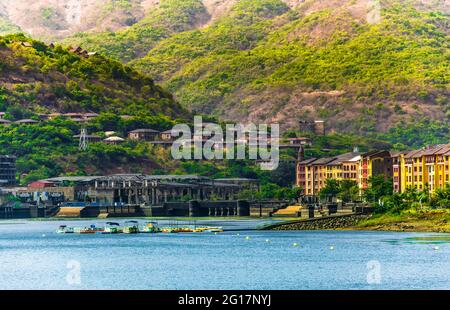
column 26, row 212
column 323, row 223
column 196, row 208
column 261, row 211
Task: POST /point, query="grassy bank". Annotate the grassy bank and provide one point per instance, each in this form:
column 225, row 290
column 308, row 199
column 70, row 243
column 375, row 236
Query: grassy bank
column 409, row 220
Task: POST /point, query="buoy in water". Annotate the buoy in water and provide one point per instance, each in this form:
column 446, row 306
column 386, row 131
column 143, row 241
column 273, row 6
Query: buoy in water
column 267, row 240
column 436, row 248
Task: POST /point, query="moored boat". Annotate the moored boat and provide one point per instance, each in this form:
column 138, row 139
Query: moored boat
column 88, row 230
column 131, row 227
column 215, row 229
column 112, row 228
column 209, row 229
column 64, row 229
column 149, row 228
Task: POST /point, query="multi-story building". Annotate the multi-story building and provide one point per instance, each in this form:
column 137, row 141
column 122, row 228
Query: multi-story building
column 372, row 164
column 313, row 173
column 424, row 169
column 7, row 170
column 398, row 171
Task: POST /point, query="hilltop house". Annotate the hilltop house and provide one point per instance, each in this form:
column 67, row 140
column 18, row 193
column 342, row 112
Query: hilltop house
column 114, row 140
column 166, row 135
column 143, row 134
column 4, row 122
column 27, row 121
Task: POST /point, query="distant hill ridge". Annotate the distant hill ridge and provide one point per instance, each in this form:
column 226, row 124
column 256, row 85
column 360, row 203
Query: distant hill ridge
column 281, row 60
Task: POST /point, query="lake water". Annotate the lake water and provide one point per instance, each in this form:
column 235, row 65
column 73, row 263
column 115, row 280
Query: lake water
column 33, row 256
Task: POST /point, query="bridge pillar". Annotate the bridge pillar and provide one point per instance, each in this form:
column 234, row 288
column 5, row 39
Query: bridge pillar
column 243, row 208
column 230, row 211
column 194, row 209
column 311, row 211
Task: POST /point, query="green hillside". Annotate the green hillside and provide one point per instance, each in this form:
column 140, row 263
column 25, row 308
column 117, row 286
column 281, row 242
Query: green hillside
column 170, row 17
column 266, row 61
column 40, row 79
column 36, row 78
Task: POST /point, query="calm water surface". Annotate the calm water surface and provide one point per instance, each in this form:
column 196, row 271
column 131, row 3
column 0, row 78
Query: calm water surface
column 33, row 256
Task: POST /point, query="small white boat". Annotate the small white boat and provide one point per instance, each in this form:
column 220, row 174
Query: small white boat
column 64, row 229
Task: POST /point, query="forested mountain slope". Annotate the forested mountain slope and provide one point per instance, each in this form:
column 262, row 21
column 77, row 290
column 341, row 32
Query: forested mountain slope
column 359, row 66
column 35, row 77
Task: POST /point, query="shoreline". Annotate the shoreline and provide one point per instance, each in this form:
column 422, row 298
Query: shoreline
column 432, row 221
column 435, row 221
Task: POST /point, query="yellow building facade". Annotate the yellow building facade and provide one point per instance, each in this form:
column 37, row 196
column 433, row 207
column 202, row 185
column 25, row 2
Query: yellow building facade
column 424, row 169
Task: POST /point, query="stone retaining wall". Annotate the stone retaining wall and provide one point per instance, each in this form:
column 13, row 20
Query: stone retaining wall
column 329, row 222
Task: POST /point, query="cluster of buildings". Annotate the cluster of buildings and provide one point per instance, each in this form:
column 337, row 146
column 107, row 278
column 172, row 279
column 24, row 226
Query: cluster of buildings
column 76, row 117
column 427, row 168
column 79, row 51
column 127, row 195
column 75, row 50
column 155, row 137
column 313, row 173
column 133, row 189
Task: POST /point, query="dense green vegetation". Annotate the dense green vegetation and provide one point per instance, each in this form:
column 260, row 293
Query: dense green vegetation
column 52, row 79
column 414, row 199
column 171, row 16
column 417, row 133
column 264, row 56
column 412, row 211
column 49, row 149
column 381, row 196
column 391, row 81
column 345, row 190
column 247, row 57
column 317, row 60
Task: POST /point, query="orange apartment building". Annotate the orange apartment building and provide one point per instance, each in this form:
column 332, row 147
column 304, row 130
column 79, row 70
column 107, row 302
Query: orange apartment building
column 313, row 173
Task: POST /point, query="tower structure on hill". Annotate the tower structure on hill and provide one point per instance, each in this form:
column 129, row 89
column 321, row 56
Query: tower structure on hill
column 83, row 146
